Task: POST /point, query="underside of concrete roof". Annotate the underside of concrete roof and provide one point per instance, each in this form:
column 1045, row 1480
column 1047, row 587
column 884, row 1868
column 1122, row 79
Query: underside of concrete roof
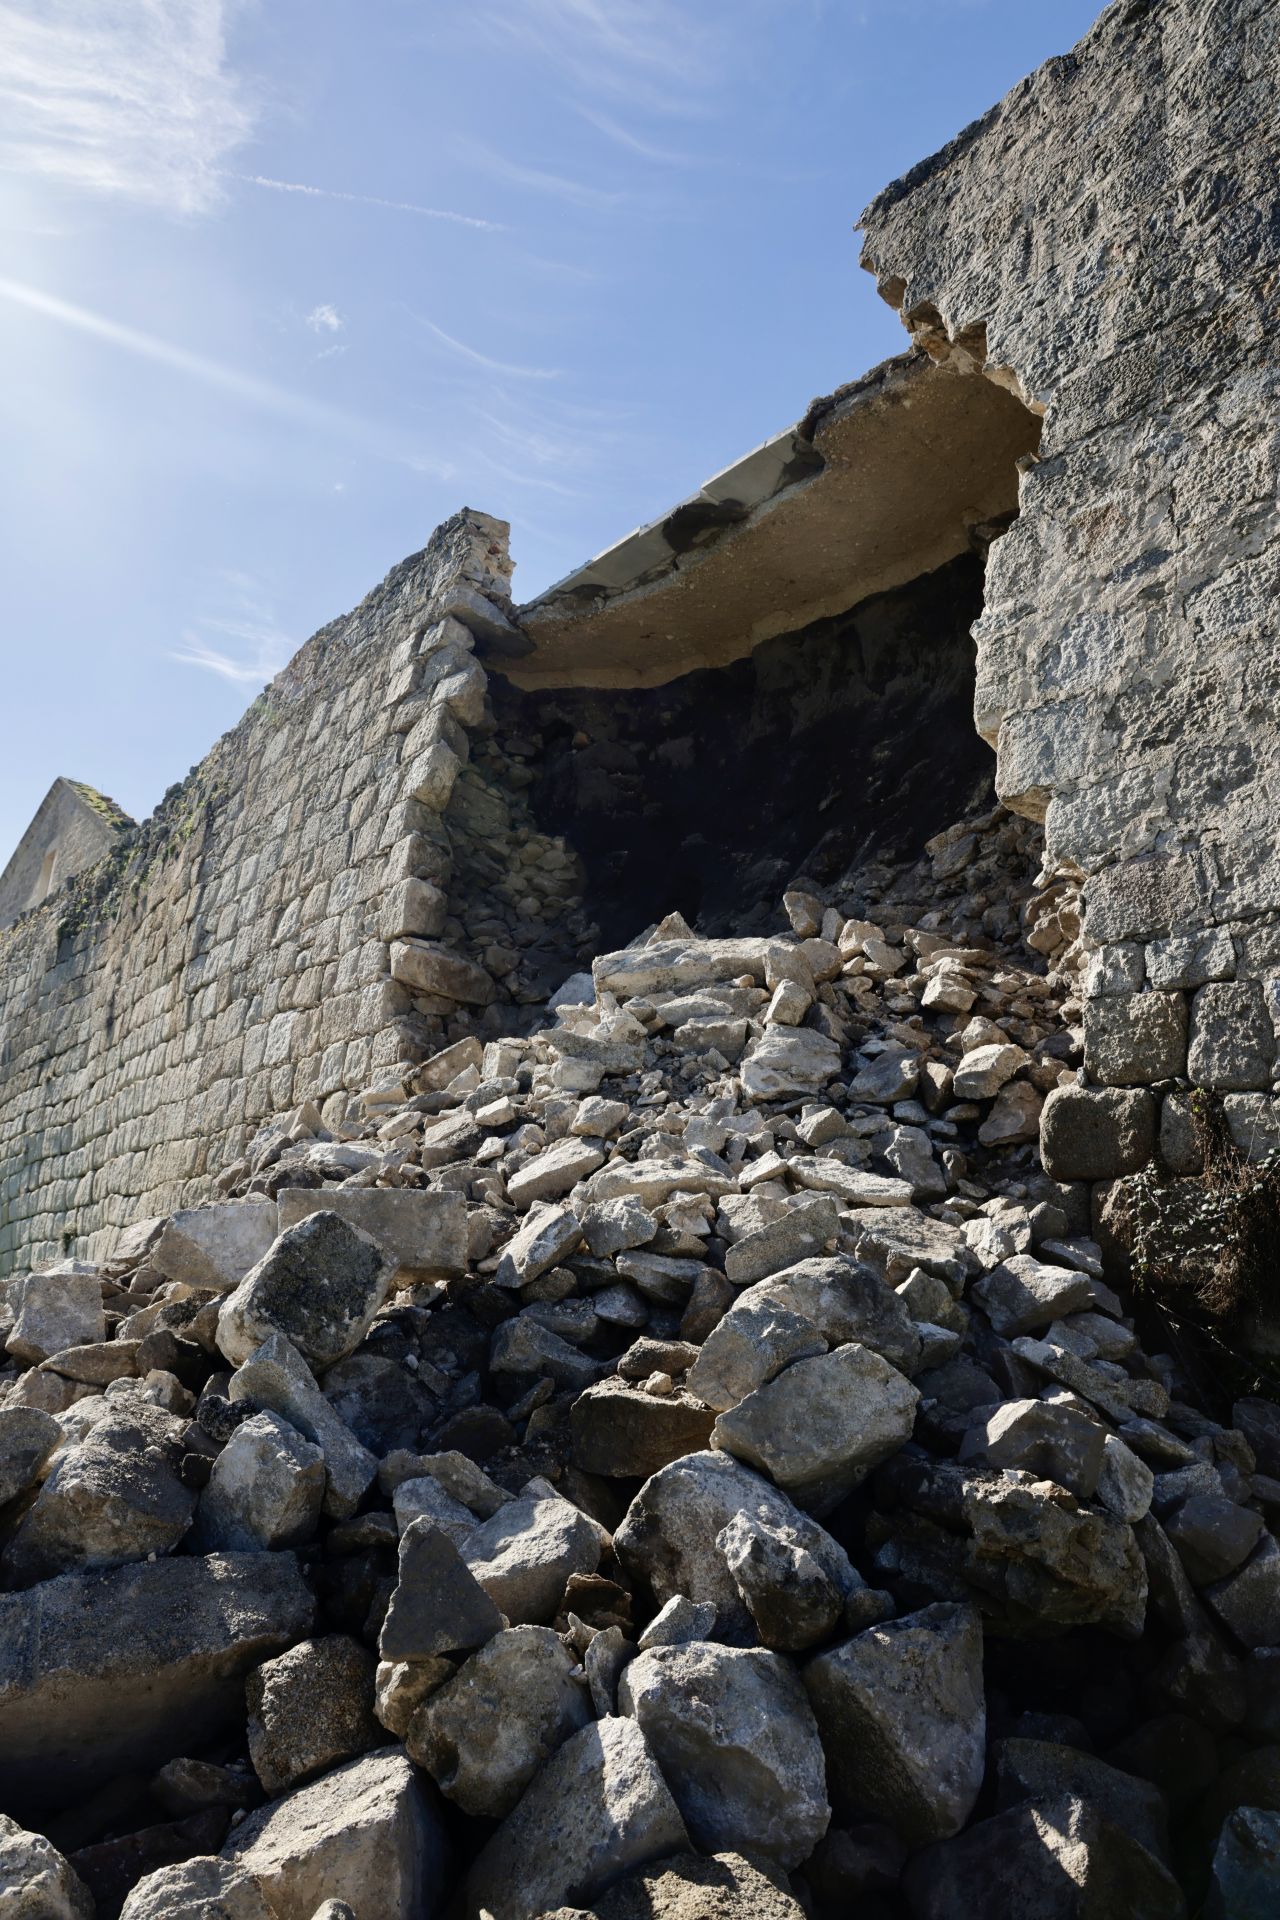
column 885, row 480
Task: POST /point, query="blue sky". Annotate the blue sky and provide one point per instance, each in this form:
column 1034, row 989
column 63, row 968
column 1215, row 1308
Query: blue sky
column 285, row 282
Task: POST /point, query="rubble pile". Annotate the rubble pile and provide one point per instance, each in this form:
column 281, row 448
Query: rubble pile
column 683, row 1461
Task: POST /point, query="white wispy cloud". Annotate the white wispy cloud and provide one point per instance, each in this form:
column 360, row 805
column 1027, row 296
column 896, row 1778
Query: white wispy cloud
column 465, row 352
column 622, row 137
column 135, row 98
column 260, row 662
column 367, row 200
column 658, row 55
column 559, row 186
column 325, row 319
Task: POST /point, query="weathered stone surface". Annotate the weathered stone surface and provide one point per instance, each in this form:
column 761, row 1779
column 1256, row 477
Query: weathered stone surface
column 437, row 1606
column 265, row 1491
column 820, row 1426
column 430, row 968
column 1213, row 1536
column 485, row 1734
column 1233, row 1042
column 1058, row 1859
column 542, row 1241
column 27, row 1438
column 802, row 1232
column 1042, row 1770
column 420, row 1233
column 203, row 1888
column 320, row 1286
column 276, row 1379
column 751, row 1343
column 54, row 1310
column 620, row 1429
column 1246, row 1867
column 36, row 1883
column 524, row 1555
column 1134, row 1039
column 105, row 1672
column 599, row 1806
column 215, row 1246
column 1247, row 1601
column 112, row 1497
column 310, row 1709
column 902, row 1716
column 792, row 1599
column 668, row 1538
column 1096, row 1133
column 1024, row 1295
column 725, row 1887
column 366, row 1834
column 1056, row 1560
column 789, row 1060
column 734, row 1735
column 553, row 1172
column 1056, row 1443
column 984, row 1070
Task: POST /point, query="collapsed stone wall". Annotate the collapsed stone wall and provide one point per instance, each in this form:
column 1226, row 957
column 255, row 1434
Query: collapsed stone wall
column 1105, row 240
column 232, row 959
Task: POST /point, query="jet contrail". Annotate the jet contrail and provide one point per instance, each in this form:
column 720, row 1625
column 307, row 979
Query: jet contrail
column 367, row 200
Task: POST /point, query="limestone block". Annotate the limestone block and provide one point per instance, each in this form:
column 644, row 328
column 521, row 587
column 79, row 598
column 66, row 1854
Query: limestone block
column 1094, row 1133
column 423, row 1233
column 1133, row 1040
column 426, row 967
column 214, row 1246
column 1232, row 1039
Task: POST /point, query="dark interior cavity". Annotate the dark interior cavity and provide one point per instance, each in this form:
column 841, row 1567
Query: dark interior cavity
column 848, row 740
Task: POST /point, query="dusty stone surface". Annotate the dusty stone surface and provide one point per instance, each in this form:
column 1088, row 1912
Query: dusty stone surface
column 36, row 1883
column 319, row 1285
column 265, row 1490
column 310, row 1709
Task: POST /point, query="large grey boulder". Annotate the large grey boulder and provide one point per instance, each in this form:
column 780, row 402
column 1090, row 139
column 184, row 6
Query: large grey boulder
column 320, row 1285
column 422, row 1233
column 55, row 1310
column 310, row 1709
column 104, row 1673
column 36, row 1883
column 437, row 1606
column 265, row 1490
column 751, row 1343
column 902, row 1716
column 485, row 1733
column 668, row 1538
column 1056, row 1443
column 202, row 1888
column 620, row 1430
column 820, row 1425
column 524, row 1554
column 276, row 1379
column 792, row 1599
column 736, row 1740
column 1024, row 1295
column 1096, row 1133
column 215, row 1246
column 27, row 1438
column 688, row 1887
column 1056, row 1859
column 1041, row 1769
column 1057, row 1561
column 367, row 1834
column 599, row 1806
column 112, row 1497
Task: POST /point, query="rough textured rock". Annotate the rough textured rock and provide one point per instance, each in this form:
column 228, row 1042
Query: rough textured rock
column 725, row 1887
column 525, row 1554
column 215, row 1246
column 27, row 1438
column 793, row 1599
column 105, row 1672
column 621, row 1429
column 276, row 1379
column 310, row 1709
column 598, row 1807
column 366, row 1834
column 36, row 1883
column 53, row 1310
column 319, row 1285
column 734, row 1735
column 484, row 1735
column 203, row 1888
column 902, row 1716
column 437, row 1605
column 419, row 1233
column 1246, row 1867
column 265, row 1490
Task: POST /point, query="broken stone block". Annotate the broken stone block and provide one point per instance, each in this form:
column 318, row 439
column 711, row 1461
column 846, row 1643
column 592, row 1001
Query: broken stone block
column 1096, row 1133
column 668, row 1538
column 202, row 1888
column 1015, row 1115
column 1023, row 1295
column 426, row 1499
column 892, row 1076
column 1135, row 1039
column 616, row 1226
column 786, row 1061
column 599, row 1806
column 423, row 1234
column 424, row 966
column 726, row 1887
column 114, row 1496
column 265, row 1491
column 1057, row 1561
column 735, row 1737
column 27, row 1438
column 792, row 1599
column 680, row 1621
column 542, row 1242
column 525, row 1346
column 1213, row 1536
column 819, row 1427
column 902, row 1716
column 401, row 1686
column 1056, row 1859
column 1248, row 1601
column 36, row 1883
column 102, row 1673
column 437, row 1606
column 320, row 1286
column 802, row 1231
column 553, row 1172
column 276, row 1379
column 984, row 1070
column 366, row 1834
column 619, row 1429
column 310, row 1709
column 751, row 1343
column 1041, row 1770
column 486, row 1733
column 215, row 1246
column 525, row 1554
column 1125, row 1483
column 55, row 1310
column 1233, row 1043
column 1053, row 1442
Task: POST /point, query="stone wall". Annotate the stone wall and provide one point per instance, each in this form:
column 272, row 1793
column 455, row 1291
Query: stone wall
column 74, row 827
column 235, row 957
column 1106, row 240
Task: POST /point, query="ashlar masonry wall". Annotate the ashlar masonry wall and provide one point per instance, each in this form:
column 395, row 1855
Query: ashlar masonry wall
column 1107, row 239
column 236, row 956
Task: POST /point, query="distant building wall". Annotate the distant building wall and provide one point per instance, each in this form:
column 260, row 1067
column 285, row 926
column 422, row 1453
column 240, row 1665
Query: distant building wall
column 73, row 829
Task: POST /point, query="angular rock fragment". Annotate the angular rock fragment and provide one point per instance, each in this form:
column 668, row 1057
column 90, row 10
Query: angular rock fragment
column 750, row 1344
column 734, row 1735
column 802, row 1232
column 1056, row 1560
column 27, row 1439
column 599, row 1806
column 202, row 1888
column 276, row 1379
column 902, row 1716
column 792, row 1599
column 101, row 1673
column 786, row 1061
column 421, row 1234
column 619, row 1429
column 36, row 1883
column 553, row 1171
column 725, row 1887
column 310, row 1709
column 367, row 1834
column 215, row 1246
column 320, row 1286
column 1053, row 1442
column 1246, row 1867
column 819, row 1427
column 484, row 1735
column 265, row 1491
column 546, row 1236
column 1023, row 1295
column 1040, row 1769
column 524, row 1555
column 55, row 1310
column 437, row 1606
